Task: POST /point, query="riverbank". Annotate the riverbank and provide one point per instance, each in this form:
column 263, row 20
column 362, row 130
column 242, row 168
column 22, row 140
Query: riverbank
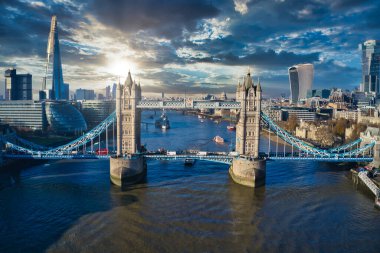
column 369, row 185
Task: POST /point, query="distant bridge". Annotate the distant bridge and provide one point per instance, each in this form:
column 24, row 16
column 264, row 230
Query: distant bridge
column 181, row 105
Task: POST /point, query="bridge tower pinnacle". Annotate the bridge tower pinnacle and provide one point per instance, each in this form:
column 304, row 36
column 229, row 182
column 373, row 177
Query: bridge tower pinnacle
column 248, row 126
column 128, row 117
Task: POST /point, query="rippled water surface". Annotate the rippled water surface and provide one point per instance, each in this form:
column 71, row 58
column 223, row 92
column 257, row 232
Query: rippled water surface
column 70, row 206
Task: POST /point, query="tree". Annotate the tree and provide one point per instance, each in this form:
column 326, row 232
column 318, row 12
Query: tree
column 292, row 123
column 340, row 127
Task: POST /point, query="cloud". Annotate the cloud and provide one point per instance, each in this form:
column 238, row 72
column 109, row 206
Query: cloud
column 260, row 58
column 200, row 45
column 241, row 6
column 164, row 18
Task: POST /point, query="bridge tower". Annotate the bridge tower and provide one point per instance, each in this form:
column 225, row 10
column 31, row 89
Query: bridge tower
column 128, row 166
column 248, row 169
column 128, row 117
column 248, row 126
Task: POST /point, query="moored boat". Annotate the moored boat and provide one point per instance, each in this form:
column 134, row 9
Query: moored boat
column 189, row 161
column 231, row 127
column 218, row 139
column 163, row 122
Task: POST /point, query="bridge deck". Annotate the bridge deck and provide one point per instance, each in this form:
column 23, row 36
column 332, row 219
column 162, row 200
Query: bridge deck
column 226, row 159
column 183, row 105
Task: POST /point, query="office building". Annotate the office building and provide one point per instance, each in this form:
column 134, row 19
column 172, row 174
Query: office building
column 83, row 94
column 301, row 80
column 95, row 111
column 52, row 116
column 303, row 114
column 66, row 91
column 25, row 115
column 323, row 93
column 370, row 51
column 17, row 86
column 64, row 118
column 114, row 91
column 108, row 92
column 54, row 55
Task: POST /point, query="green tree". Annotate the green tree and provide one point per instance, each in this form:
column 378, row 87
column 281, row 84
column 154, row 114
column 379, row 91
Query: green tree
column 340, row 127
column 292, row 123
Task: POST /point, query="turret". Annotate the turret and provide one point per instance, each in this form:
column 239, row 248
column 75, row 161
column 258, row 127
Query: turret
column 128, row 80
column 139, row 91
column 133, row 90
column 258, row 89
column 248, row 83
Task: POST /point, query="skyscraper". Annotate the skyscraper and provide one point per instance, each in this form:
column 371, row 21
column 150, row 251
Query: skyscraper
column 17, row 87
column 53, row 51
column 301, row 80
column 370, row 66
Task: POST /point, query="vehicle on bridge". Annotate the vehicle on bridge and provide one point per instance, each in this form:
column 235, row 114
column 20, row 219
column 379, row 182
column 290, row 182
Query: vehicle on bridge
column 102, row 151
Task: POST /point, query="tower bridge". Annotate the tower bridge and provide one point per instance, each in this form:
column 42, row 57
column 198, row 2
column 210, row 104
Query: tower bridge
column 128, row 159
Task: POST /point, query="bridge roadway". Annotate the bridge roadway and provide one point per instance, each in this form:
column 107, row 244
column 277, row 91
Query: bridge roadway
column 219, row 157
column 189, row 105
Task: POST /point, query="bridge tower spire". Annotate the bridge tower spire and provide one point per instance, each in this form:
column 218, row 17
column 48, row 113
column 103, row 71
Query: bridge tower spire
column 248, row 126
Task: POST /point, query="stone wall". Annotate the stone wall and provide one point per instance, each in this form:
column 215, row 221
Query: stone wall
column 247, row 172
column 127, row 170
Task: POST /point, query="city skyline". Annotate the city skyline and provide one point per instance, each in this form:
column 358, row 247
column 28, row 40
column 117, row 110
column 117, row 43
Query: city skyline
column 205, row 48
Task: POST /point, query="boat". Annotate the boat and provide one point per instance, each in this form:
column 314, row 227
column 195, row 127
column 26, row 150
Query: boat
column 162, row 122
column 231, row 127
column 216, row 121
column 189, row 161
column 202, row 121
column 218, row 139
column 200, row 117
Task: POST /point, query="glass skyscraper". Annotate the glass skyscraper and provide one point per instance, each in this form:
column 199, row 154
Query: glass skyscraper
column 370, row 50
column 53, row 51
column 17, row 87
column 301, row 80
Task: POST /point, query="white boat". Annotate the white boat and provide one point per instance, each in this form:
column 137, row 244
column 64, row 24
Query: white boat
column 231, row 127
column 218, row 139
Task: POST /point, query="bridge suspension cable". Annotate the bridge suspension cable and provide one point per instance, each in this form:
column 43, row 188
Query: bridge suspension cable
column 310, row 150
column 73, row 145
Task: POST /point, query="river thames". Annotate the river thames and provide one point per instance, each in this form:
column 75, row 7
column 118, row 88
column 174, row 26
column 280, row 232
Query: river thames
column 70, row 206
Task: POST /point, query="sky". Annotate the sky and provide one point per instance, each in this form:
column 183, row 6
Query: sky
column 197, row 46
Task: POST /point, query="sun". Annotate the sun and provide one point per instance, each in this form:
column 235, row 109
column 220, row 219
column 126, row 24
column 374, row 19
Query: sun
column 120, row 67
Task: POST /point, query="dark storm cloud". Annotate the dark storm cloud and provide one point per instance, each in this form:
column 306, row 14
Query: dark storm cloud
column 25, row 28
column 328, row 74
column 165, row 18
column 263, row 59
column 271, row 36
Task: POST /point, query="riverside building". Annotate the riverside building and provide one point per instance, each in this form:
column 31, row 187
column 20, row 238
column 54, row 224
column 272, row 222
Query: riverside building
column 42, row 116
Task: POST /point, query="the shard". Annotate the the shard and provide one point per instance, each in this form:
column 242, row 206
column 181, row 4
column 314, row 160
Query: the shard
column 54, row 56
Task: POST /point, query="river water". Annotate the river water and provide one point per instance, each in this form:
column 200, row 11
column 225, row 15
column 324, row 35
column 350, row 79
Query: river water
column 70, row 206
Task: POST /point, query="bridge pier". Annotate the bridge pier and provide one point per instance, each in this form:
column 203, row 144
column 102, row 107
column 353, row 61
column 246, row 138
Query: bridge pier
column 248, row 172
column 127, row 170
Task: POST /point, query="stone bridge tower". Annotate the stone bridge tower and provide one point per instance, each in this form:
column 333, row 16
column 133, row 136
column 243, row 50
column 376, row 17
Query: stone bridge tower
column 128, row 117
column 248, row 126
